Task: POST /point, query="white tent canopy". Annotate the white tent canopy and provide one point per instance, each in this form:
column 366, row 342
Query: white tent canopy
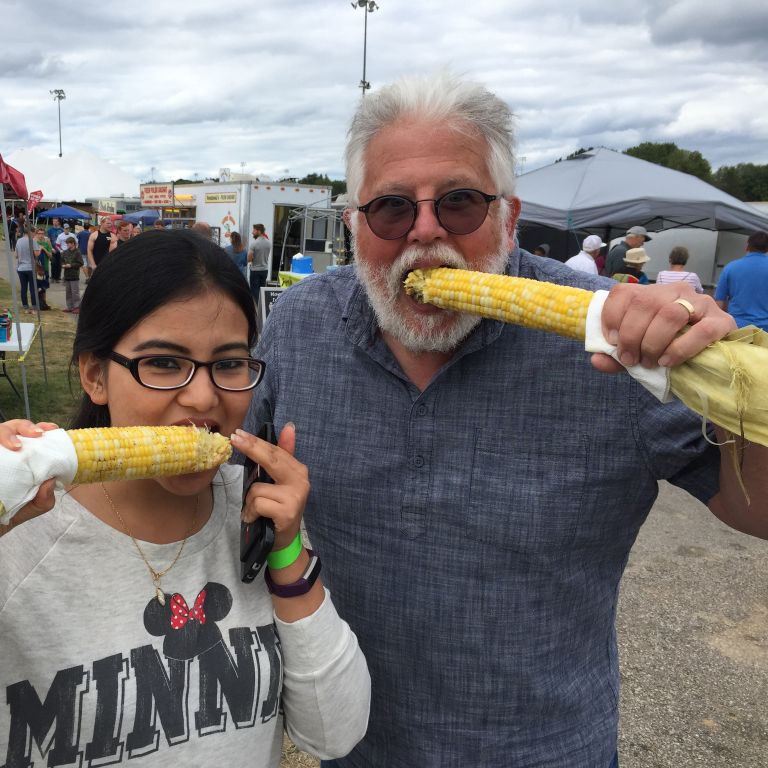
column 602, row 189
column 73, row 177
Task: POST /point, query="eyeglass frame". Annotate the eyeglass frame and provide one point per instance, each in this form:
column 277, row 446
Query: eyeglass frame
column 132, row 364
column 364, row 209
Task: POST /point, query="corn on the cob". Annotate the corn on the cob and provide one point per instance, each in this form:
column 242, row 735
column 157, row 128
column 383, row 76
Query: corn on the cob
column 111, row 453
column 726, row 383
column 115, row 453
column 561, row 309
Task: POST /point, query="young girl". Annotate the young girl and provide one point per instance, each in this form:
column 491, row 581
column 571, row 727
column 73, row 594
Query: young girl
column 126, row 632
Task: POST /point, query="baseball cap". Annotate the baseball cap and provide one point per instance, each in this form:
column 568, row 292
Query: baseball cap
column 66, row 226
column 639, row 231
column 592, row 243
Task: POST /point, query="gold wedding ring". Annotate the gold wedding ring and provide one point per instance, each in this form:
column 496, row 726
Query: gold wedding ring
column 687, row 305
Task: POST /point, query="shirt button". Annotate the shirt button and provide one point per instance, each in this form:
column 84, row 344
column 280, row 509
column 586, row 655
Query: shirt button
column 421, row 410
column 418, row 461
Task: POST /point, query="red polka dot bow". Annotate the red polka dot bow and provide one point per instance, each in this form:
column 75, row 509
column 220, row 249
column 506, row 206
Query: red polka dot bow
column 180, row 613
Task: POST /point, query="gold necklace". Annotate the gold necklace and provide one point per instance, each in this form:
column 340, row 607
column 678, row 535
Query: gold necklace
column 156, row 575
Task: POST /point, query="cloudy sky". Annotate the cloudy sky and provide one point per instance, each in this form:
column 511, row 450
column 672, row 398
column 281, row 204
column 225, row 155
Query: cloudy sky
column 268, row 86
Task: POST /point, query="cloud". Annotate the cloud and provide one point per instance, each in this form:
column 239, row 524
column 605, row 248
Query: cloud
column 273, row 84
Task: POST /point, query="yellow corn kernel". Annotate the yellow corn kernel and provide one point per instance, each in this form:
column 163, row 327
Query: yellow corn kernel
column 561, row 309
column 121, row 453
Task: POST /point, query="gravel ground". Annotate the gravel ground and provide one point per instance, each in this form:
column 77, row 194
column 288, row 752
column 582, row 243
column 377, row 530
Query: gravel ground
column 693, row 636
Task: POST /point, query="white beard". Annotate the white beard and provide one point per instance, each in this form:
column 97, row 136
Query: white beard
column 440, row 332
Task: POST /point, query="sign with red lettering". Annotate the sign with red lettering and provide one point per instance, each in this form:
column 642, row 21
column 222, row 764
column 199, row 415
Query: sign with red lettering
column 34, row 199
column 156, row 195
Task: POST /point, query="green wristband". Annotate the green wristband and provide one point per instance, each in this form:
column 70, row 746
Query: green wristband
column 282, row 558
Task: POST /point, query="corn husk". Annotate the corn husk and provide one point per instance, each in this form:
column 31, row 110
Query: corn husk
column 727, row 383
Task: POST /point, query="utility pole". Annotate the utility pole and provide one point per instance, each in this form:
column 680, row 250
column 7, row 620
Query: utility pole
column 368, row 6
column 59, row 95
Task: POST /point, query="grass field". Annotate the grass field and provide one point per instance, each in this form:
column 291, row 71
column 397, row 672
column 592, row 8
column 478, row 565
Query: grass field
column 57, row 399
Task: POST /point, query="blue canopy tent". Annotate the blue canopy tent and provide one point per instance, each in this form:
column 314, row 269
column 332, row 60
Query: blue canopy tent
column 142, row 217
column 63, row 212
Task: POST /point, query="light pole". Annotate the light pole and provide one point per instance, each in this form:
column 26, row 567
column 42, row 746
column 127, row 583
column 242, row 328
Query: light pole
column 368, row 6
column 59, row 95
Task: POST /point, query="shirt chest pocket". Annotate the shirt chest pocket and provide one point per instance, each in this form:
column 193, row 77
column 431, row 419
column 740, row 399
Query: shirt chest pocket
column 528, row 496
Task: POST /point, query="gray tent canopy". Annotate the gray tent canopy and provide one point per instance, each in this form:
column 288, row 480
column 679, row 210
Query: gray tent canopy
column 603, row 189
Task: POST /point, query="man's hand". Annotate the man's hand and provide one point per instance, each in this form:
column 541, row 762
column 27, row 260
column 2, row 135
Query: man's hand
column 644, row 322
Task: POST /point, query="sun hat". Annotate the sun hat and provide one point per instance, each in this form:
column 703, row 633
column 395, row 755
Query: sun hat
column 636, row 256
column 592, row 243
column 639, row 231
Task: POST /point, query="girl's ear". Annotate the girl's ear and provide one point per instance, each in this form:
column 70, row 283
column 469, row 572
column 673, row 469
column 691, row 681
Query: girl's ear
column 93, row 378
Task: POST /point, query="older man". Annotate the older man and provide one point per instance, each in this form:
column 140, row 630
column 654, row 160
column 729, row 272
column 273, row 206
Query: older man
column 476, row 487
column 585, row 259
column 634, row 238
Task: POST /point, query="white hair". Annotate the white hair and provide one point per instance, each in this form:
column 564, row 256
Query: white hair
column 464, row 105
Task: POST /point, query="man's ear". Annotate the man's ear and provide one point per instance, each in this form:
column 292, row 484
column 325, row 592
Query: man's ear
column 93, row 378
column 514, row 215
column 347, row 216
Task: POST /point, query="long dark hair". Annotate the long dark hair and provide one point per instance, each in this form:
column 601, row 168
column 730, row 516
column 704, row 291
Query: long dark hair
column 237, row 242
column 144, row 274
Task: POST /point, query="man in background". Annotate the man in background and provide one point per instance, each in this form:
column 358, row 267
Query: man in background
column 635, row 238
column 258, row 260
column 101, row 242
column 584, row 260
column 202, row 228
column 742, row 289
column 54, row 232
column 83, row 236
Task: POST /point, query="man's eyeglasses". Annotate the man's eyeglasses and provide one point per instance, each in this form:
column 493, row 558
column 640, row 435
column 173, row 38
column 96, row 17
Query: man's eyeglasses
column 460, row 212
column 233, row 374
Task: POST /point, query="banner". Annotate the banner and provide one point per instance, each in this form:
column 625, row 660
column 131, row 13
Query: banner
column 34, row 199
column 14, row 178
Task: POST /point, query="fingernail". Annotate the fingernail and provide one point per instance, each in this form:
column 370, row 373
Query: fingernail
column 15, row 442
column 664, row 361
column 627, row 359
column 235, row 437
column 613, row 337
column 290, row 424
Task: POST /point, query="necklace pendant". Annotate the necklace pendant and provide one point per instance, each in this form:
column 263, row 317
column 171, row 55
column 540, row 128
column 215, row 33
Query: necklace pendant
column 160, row 595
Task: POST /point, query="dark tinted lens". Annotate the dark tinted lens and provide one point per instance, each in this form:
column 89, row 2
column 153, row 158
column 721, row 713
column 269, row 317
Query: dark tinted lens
column 462, row 211
column 236, row 373
column 390, row 217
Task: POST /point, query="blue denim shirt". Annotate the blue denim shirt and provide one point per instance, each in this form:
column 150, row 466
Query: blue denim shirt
column 474, row 534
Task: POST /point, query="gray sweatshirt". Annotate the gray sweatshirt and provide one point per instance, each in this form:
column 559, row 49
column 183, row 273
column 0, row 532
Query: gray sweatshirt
column 94, row 671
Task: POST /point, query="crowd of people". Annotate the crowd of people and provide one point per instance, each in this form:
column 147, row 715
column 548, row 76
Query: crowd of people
column 741, row 289
column 473, row 488
column 60, row 252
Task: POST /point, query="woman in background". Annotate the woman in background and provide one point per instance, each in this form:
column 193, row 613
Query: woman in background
column 238, row 252
column 678, row 258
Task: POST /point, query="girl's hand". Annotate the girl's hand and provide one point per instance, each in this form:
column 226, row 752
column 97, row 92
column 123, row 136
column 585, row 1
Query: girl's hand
column 284, row 500
column 44, row 499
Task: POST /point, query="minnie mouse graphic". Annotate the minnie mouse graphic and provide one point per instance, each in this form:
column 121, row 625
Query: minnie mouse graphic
column 189, row 631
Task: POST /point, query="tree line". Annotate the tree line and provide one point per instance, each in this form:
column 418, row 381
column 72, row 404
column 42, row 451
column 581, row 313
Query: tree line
column 745, row 181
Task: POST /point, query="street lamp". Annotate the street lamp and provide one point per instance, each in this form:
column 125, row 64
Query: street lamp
column 368, row 6
column 59, row 95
